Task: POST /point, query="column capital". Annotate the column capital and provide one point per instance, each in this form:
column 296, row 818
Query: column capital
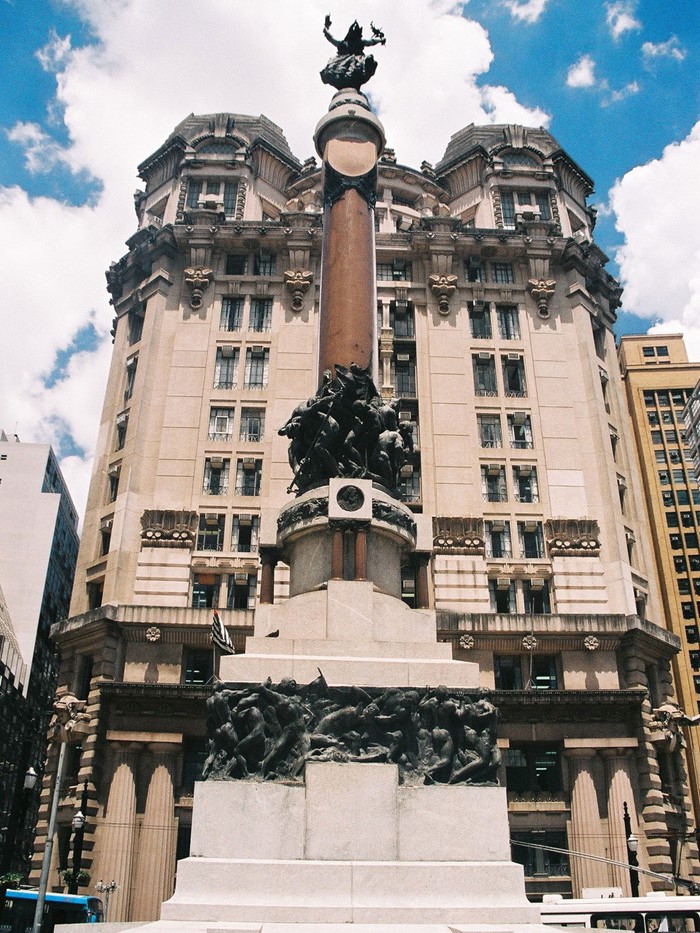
column 581, row 753
column 616, row 751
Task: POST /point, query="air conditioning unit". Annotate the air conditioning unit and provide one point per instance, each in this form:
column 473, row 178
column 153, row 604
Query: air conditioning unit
column 479, row 307
column 106, row 524
column 115, row 470
column 403, row 357
column 519, row 417
column 249, row 464
column 131, row 363
column 211, row 519
column 498, row 525
column 406, row 470
column 484, row 356
column 257, row 349
column 621, row 484
column 405, row 416
column 227, row 352
column 629, row 536
column 537, row 583
column 493, row 469
column 245, row 520
column 530, row 526
column 404, row 224
column 502, row 583
column 217, row 463
column 400, row 306
column 240, row 577
column 408, row 586
column 123, row 418
column 514, row 357
column 399, row 265
column 524, row 469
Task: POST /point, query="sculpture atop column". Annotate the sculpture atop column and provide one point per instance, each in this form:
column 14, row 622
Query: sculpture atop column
column 351, row 67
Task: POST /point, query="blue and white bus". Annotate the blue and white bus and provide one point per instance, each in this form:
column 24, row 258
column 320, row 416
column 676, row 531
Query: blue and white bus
column 20, row 906
column 651, row 914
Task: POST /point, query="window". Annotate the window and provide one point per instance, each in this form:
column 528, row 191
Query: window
column 210, row 536
column 236, row 264
column 195, row 751
column 219, row 196
column 691, row 540
column 484, row 369
column 508, row 672
column 694, row 562
column 668, row 500
column 264, row 263
column 691, row 634
column 657, row 437
column 197, row 666
column 531, row 539
column 671, row 520
column 480, row 320
column 241, row 591
column 205, row 591
column 489, row 427
column 502, row 594
column 131, row 365
column 473, row 270
column 520, row 430
column 694, row 660
column 220, row 424
column 647, row 351
column 663, row 400
column 396, row 271
column 260, row 315
column 514, row 376
column 675, row 541
column 498, row 539
column 683, row 497
column 226, row 367
column 135, row 327
column 543, row 672
column 122, row 424
column 245, row 533
column 248, row 476
column 524, row 202
column 113, row 483
column 216, row 476
column 525, row 484
column 662, row 351
column 653, row 418
column 664, row 478
column 508, row 322
column 540, row 862
column 105, row 536
column 252, row 424
column 536, row 596
column 257, row 364
column 660, row 456
column 687, row 519
column 493, row 483
column 401, row 318
column 231, row 314
column 671, row 437
column 650, row 399
column 502, row 272
column 687, row 610
column 533, row 767
column 508, row 208
column 409, row 487
column 679, row 477
column 404, row 377
column 194, row 189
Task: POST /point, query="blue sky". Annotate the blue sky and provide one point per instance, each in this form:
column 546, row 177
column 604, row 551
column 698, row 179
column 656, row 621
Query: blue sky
column 91, row 87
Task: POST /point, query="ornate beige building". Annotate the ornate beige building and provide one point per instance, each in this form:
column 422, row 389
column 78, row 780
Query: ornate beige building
column 494, row 327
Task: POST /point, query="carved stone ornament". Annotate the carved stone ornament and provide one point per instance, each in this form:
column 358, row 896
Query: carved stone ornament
column 458, row 535
column 298, row 281
column 168, row 528
column 153, row 633
column 70, row 723
column 350, row 498
column 198, row 280
column 542, row 290
column 573, row 537
column 467, row 642
column 335, row 185
column 385, row 512
column 591, row 643
column 303, row 512
column 435, row 736
column 665, row 726
column 529, row 642
column 443, row 287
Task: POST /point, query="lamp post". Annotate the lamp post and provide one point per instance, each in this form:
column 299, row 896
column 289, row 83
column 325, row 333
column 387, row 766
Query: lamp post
column 69, row 726
column 106, row 889
column 78, row 824
column 632, row 847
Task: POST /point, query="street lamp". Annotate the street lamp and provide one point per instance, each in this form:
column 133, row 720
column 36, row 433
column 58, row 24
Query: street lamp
column 106, row 889
column 78, row 824
column 632, row 846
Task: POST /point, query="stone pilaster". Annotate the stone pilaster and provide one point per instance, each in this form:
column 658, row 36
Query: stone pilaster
column 118, row 829
column 620, row 792
column 155, row 861
column 586, row 829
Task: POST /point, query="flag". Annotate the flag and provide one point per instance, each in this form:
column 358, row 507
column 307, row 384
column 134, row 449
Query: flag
column 220, row 636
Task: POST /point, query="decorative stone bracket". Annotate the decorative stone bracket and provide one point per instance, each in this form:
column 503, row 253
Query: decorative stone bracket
column 198, row 280
column 573, row 537
column 443, row 287
column 458, row 535
column 168, row 528
column 542, row 291
column 298, row 282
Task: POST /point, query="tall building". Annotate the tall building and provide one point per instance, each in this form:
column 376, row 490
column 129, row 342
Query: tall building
column 494, row 328
column 658, row 382
column 38, row 552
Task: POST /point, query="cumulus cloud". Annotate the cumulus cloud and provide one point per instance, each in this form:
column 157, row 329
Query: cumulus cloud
column 620, row 18
column 615, row 96
column 671, row 48
column 527, row 11
column 120, row 96
column 660, row 270
column 581, row 73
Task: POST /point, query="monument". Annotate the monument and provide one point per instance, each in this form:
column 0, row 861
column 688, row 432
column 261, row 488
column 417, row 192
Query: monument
column 352, row 769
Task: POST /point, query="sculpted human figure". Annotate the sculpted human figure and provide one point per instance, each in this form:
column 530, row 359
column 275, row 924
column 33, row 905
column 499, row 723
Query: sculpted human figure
column 351, row 67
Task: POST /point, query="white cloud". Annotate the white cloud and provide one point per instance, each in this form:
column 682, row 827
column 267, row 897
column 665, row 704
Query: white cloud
column 616, row 96
column 620, row 17
column 528, row 11
column 581, row 73
column 660, row 269
column 120, row 97
column 671, row 48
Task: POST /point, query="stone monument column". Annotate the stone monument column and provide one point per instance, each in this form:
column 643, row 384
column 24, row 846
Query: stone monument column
column 349, row 140
column 586, row 829
column 119, row 828
column 153, row 879
column 620, row 792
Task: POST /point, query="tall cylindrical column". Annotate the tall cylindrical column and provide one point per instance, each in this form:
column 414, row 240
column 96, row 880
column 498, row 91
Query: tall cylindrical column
column 118, row 829
column 349, row 140
column 153, row 878
column 586, row 828
column 620, row 792
column 268, row 562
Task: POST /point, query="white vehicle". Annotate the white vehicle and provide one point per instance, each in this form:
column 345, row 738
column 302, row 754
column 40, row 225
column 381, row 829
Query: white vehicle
column 652, row 914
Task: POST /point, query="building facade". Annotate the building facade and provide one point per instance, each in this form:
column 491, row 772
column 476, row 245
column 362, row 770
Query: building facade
column 659, row 382
column 38, row 553
column 494, row 328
